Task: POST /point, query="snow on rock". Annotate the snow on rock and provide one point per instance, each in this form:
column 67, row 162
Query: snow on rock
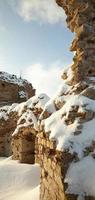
column 83, row 140
column 58, row 129
column 51, row 105
column 67, row 74
column 92, row 78
column 37, row 101
column 6, row 110
column 3, row 115
column 64, row 133
column 27, row 112
column 23, row 95
column 18, row 108
column 19, row 181
column 12, row 78
column 81, row 177
column 63, row 89
column 29, row 119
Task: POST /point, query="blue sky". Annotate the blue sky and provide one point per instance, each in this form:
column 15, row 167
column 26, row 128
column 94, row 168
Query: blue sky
column 32, row 36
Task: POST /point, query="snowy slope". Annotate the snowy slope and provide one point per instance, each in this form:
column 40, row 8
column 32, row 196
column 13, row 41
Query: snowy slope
column 18, row 181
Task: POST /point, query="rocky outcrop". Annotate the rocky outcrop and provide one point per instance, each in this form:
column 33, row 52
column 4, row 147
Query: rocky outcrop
column 13, row 89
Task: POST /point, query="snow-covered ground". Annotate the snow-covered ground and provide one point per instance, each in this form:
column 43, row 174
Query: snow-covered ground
column 18, row 181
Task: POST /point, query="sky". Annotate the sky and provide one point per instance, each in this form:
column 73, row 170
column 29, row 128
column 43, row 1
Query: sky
column 34, row 42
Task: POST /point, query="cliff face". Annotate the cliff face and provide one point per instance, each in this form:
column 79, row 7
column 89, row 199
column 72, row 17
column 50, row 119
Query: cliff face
column 13, row 89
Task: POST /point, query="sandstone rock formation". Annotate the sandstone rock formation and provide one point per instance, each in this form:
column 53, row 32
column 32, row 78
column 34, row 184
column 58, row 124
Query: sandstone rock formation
column 13, row 89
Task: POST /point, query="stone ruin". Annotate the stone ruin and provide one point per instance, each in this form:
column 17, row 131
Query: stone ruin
column 60, row 133
column 74, row 103
column 19, row 127
column 63, row 162
column 81, row 20
column 13, row 89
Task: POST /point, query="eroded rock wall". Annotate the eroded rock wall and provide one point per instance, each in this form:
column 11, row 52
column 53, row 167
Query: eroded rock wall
column 81, row 20
column 75, row 147
column 19, row 128
column 23, row 145
column 7, row 127
column 54, row 166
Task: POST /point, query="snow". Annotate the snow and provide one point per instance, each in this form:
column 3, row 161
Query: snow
column 59, row 96
column 29, row 119
column 18, row 108
column 50, row 106
column 18, row 181
column 23, row 94
column 92, row 78
column 27, row 115
column 83, row 140
column 6, row 110
column 59, row 130
column 63, row 133
column 81, row 174
column 4, row 76
column 69, row 74
column 3, row 115
column 81, row 177
column 63, row 90
column 24, row 111
column 37, row 101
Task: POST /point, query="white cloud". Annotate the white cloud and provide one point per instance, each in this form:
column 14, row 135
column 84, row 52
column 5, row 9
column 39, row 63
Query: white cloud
column 39, row 10
column 11, row 70
column 44, row 80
